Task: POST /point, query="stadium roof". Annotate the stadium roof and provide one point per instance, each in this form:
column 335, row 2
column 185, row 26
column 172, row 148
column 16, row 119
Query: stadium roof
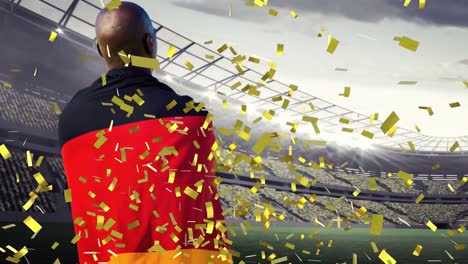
column 217, row 73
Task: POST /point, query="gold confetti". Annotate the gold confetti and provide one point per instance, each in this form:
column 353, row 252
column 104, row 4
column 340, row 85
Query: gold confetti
column 113, row 4
column 367, row 134
column 459, row 247
column 346, row 92
column 53, row 36
column 103, row 79
column 5, row 152
column 453, row 105
column 386, row 258
column 454, row 146
column 376, row 224
column 171, row 105
column 407, row 43
column 391, row 120
column 332, row 44
column 431, row 226
column 419, row 199
column 279, row 49
column 422, row 4
column 374, row 247
column 57, row 108
column 143, row 62
column 417, row 128
column 32, row 224
column 417, row 250
column 372, row 184
column 172, row 50
column 407, row 82
column 465, row 82
column 293, row 14
column 273, row 12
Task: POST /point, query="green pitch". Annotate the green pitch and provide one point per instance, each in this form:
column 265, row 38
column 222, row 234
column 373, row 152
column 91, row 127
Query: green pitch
column 399, row 243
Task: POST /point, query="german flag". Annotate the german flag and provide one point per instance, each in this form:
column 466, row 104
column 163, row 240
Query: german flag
column 139, row 160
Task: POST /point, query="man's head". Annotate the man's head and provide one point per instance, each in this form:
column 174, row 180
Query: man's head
column 126, row 28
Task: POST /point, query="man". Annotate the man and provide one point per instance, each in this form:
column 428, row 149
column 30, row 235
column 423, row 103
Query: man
column 139, row 158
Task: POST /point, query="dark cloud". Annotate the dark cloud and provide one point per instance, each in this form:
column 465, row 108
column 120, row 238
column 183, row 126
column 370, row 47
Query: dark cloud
column 464, row 62
column 440, row 12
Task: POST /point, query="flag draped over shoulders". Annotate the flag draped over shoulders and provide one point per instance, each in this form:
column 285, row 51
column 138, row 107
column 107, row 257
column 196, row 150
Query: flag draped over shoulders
column 140, row 167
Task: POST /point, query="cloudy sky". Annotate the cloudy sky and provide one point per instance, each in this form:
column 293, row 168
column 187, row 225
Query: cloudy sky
column 365, row 29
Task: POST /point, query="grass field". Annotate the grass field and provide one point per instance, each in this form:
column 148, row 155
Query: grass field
column 399, row 243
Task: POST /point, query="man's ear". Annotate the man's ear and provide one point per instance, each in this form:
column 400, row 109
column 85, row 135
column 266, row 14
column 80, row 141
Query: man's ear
column 149, row 45
column 98, row 49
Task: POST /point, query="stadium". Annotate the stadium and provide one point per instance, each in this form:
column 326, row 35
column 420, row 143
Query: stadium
column 303, row 180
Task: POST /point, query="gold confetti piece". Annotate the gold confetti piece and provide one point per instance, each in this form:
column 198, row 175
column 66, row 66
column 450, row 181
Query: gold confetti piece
column 222, row 48
column 431, row 226
column 392, row 131
column 7, row 85
column 407, row 82
column 355, row 258
column 422, row 4
column 454, row 146
column 114, row 4
column 391, row 120
column 367, row 134
column 103, row 79
column 417, row 250
column 372, row 184
column 143, row 62
column 273, row 12
column 386, row 258
column 55, row 245
column 67, row 195
column 419, row 199
column 189, row 65
column 32, row 224
column 332, row 44
column 407, row 43
column 376, row 224
column 104, row 206
column 57, row 108
column 347, row 91
column 374, row 247
column 260, row 3
column 453, row 105
column 133, row 224
column 293, row 14
column 53, row 36
column 172, row 50
column 39, row 161
column 465, row 82
column 463, row 181
column 5, row 152
column 190, row 192
column 279, row 260
column 461, row 229
column 356, row 192
column 460, row 247
column 411, row 146
column 417, row 128
column 279, row 49
column 171, row 105
column 435, row 166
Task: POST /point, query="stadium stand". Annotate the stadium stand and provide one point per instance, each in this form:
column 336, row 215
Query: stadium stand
column 18, row 182
column 26, row 109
